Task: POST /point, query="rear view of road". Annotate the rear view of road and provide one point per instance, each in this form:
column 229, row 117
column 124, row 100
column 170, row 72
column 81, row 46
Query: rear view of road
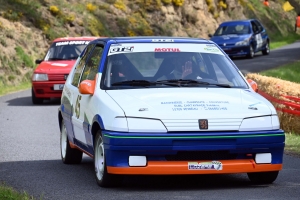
column 277, row 57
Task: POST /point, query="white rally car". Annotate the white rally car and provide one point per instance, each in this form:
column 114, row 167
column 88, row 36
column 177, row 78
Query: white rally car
column 166, row 106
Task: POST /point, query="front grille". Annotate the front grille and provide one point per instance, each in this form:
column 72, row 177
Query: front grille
column 56, row 77
column 201, row 155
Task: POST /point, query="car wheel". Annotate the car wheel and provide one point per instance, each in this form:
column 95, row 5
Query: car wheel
column 263, row 177
column 34, row 99
column 266, row 51
column 68, row 155
column 103, row 178
column 251, row 52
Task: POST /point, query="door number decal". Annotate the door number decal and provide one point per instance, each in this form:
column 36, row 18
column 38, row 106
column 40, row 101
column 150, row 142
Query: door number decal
column 77, row 107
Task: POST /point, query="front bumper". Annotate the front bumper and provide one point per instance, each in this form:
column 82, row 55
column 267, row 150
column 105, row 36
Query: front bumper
column 236, row 50
column 175, row 153
column 45, row 89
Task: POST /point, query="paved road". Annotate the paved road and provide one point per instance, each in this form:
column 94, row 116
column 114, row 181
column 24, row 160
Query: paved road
column 30, row 158
column 276, row 58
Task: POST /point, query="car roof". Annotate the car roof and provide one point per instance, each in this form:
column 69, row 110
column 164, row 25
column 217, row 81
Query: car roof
column 236, row 21
column 150, row 39
column 90, row 38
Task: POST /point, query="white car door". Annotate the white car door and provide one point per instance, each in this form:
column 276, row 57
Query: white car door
column 84, row 104
column 79, row 137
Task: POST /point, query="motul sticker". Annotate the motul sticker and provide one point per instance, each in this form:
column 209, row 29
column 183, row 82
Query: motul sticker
column 167, row 49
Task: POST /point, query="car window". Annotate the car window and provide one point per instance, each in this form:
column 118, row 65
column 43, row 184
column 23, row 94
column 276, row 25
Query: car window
column 255, row 28
column 239, row 29
column 92, row 64
column 81, row 64
column 65, row 50
column 259, row 26
column 143, row 62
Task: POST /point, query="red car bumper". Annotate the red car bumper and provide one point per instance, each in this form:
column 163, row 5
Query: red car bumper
column 48, row 89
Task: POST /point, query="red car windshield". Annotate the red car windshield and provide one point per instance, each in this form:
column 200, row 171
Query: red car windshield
column 65, row 50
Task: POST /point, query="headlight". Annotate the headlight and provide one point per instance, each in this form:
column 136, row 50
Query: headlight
column 39, row 77
column 132, row 124
column 243, row 43
column 260, row 123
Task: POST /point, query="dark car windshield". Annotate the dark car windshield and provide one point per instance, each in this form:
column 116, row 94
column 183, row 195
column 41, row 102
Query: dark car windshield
column 236, row 29
column 65, row 50
column 169, row 65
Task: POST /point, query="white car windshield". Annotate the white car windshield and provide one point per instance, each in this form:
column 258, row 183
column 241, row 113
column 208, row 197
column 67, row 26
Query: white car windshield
column 172, row 65
column 65, row 50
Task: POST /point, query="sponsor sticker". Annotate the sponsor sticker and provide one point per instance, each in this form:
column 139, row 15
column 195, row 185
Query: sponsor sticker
column 162, row 40
column 213, row 165
column 211, row 49
column 121, row 49
column 73, row 42
column 167, row 50
column 210, row 45
column 59, row 64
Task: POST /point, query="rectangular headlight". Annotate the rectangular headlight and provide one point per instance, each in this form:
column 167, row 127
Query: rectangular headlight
column 243, row 43
column 39, row 77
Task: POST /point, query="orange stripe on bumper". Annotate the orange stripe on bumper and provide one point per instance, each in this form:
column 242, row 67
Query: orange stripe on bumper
column 181, row 167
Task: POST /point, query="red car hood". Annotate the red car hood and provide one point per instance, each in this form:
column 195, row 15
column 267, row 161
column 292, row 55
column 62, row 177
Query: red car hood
column 55, row 67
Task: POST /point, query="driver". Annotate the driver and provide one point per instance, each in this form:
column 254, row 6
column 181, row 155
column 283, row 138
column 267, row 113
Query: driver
column 182, row 66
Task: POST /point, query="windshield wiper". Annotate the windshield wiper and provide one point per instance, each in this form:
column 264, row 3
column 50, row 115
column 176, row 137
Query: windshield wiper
column 185, row 82
column 172, row 82
column 49, row 59
column 141, row 83
column 71, row 58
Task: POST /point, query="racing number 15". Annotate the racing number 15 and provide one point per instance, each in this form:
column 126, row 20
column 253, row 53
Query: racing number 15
column 77, row 106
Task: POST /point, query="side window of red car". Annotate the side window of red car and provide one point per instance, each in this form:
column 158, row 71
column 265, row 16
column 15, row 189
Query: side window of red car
column 81, row 64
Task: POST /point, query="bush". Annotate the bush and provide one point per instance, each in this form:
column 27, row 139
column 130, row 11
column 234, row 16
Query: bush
column 178, row 2
column 24, row 57
column 54, row 10
column 90, row 7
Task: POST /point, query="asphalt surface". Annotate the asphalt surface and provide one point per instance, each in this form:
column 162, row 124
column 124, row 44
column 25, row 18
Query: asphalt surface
column 30, row 158
column 276, row 58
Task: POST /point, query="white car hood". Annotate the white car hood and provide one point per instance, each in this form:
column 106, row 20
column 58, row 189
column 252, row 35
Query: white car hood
column 224, row 108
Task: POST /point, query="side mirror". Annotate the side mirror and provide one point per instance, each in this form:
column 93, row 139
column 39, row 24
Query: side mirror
column 87, row 87
column 210, row 35
column 38, row 61
column 253, row 84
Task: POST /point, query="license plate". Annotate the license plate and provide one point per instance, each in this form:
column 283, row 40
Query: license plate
column 58, row 87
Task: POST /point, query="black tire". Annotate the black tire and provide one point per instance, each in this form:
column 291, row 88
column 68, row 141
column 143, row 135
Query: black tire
column 266, row 51
column 251, row 52
column 103, row 178
column 68, row 155
column 263, row 177
column 34, row 99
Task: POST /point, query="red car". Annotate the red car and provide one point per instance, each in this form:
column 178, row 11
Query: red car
column 51, row 73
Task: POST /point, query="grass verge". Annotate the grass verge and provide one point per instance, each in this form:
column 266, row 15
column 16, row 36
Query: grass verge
column 289, row 72
column 8, row 193
column 6, row 89
column 292, row 143
column 277, row 41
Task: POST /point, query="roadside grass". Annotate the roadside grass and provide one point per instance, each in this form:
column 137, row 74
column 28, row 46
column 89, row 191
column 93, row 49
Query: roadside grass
column 279, row 41
column 6, row 89
column 8, row 193
column 292, row 143
column 289, row 72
